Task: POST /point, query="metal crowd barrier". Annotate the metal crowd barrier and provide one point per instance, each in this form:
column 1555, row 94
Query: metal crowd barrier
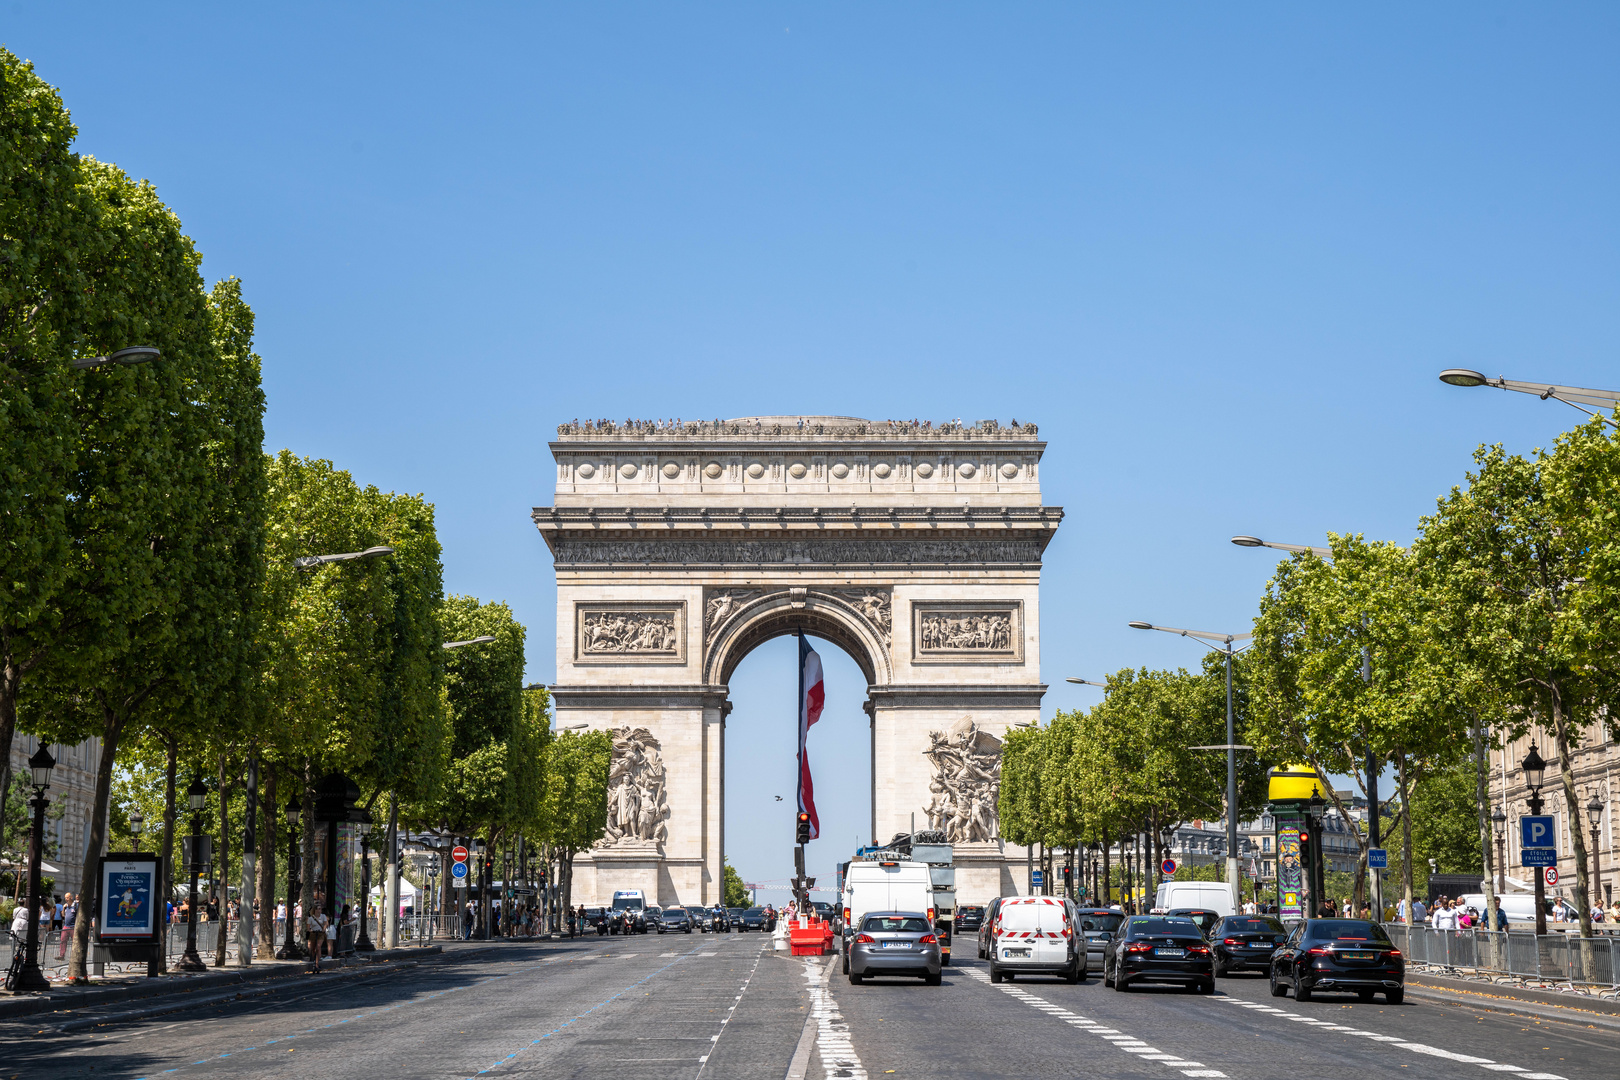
column 1563, row 957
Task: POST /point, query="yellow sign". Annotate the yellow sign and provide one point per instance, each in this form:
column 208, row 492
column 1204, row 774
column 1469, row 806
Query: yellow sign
column 1288, row 783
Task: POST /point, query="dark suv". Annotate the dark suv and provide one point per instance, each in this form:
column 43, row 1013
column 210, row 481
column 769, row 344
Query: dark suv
column 1350, row 955
column 969, row 917
column 1099, row 925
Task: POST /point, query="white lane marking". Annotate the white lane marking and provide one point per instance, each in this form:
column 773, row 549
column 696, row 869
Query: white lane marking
column 838, row 1057
column 1130, row 1044
column 1417, row 1048
column 715, row 1039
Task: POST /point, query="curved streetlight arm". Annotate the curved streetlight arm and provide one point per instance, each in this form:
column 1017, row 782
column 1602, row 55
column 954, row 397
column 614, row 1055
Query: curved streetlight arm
column 1225, row 639
column 1255, row 541
column 1086, row 682
column 1578, row 397
column 135, row 354
column 310, row 562
column 470, row 641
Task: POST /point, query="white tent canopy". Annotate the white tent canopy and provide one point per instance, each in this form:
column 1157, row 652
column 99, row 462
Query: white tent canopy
column 407, row 891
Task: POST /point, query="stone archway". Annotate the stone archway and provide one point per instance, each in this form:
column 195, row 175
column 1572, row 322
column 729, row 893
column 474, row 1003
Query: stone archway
column 681, row 548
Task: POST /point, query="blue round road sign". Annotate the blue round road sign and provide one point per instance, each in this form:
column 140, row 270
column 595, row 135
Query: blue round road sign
column 458, row 869
column 1168, row 867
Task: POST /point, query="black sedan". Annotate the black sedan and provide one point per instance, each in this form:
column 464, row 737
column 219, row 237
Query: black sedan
column 751, row 919
column 969, row 917
column 675, row 919
column 1245, row 942
column 1339, row 955
column 1158, row 948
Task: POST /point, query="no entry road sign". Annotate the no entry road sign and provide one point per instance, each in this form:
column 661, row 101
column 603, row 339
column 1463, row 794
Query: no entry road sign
column 458, row 854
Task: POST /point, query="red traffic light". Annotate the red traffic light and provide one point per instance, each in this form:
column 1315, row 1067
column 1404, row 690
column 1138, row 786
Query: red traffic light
column 803, row 816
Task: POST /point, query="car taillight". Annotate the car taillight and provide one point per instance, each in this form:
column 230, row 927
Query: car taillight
column 1198, row 950
column 930, row 914
column 1230, row 941
column 1066, row 931
column 865, row 939
column 1394, row 953
column 928, row 939
column 1319, row 951
column 1139, row 947
column 846, row 914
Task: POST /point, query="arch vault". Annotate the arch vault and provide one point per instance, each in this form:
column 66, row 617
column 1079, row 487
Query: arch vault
column 680, row 547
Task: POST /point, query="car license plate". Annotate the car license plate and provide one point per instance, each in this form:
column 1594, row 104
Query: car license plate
column 897, row 944
column 1259, row 945
column 1169, row 952
column 1014, row 952
column 1357, row 955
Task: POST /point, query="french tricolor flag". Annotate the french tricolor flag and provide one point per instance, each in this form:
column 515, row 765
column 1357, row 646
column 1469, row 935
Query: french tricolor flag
column 812, row 696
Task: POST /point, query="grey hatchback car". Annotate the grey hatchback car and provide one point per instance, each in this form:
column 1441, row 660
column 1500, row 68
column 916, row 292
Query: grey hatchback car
column 894, row 943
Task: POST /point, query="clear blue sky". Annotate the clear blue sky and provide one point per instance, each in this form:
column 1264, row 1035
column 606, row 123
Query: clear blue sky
column 1217, row 252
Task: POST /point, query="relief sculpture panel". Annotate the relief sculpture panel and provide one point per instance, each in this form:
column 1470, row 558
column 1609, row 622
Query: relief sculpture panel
column 966, row 783
column 637, row 804
column 958, row 632
column 630, row 632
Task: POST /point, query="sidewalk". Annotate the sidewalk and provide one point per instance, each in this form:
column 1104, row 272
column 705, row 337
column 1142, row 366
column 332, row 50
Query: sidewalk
column 64, row 998
column 1536, row 1000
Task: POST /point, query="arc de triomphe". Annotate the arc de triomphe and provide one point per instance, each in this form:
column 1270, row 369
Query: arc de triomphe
column 680, row 547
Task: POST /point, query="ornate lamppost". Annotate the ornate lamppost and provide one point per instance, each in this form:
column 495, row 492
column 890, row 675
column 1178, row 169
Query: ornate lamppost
column 1594, row 814
column 196, row 796
column 137, row 824
column 30, row 978
column 1535, row 771
column 1499, row 820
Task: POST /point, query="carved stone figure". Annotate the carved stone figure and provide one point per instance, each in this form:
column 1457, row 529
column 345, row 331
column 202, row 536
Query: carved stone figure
column 967, row 779
column 637, row 806
column 628, row 632
column 718, row 606
column 875, row 605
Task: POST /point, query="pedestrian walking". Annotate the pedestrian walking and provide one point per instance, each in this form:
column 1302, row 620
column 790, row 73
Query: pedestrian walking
column 315, row 928
column 70, row 915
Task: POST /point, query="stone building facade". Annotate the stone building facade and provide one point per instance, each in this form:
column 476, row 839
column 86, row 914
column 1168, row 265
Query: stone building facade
column 1596, row 765
column 680, row 547
column 73, row 791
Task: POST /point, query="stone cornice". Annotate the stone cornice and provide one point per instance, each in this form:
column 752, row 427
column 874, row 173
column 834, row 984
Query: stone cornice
column 957, row 696
column 690, row 696
column 810, row 430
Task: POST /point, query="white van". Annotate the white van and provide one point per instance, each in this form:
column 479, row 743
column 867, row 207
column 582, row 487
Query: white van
column 1213, row 896
column 1518, row 907
column 888, row 885
column 1035, row 935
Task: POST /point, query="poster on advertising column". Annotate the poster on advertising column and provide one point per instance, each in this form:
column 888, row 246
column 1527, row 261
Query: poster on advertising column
column 1290, row 875
column 131, row 889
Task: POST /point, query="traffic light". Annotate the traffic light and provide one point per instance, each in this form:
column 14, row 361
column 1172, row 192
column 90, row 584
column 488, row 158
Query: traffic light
column 804, row 828
column 1068, row 875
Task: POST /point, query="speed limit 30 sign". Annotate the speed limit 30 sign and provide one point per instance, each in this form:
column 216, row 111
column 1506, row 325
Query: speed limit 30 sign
column 1551, row 874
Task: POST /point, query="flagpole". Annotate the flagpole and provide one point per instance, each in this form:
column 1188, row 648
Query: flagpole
column 799, row 892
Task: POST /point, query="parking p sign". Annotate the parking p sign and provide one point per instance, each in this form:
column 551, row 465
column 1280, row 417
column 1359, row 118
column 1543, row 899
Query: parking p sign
column 1537, row 832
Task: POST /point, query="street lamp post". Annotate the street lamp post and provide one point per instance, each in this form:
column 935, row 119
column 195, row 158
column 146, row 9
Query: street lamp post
column 196, row 796
column 290, row 950
column 1499, row 820
column 1318, row 873
column 1576, row 396
column 1231, row 747
column 1535, row 771
column 1594, row 814
column 137, row 823
column 30, row 978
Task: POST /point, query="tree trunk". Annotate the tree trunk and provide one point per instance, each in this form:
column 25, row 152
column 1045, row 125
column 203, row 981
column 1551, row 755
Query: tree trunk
column 112, row 731
column 1572, row 802
column 1105, row 890
column 268, row 808
column 222, row 867
column 306, row 842
column 391, row 868
column 1482, row 796
column 1406, row 835
column 171, row 769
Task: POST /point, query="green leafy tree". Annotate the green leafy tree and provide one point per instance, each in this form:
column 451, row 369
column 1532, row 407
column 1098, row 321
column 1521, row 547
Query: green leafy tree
column 574, row 797
column 736, row 891
column 50, row 236
column 1533, row 572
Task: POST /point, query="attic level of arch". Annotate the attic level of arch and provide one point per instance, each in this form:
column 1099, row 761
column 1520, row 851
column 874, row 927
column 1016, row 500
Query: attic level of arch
column 936, row 520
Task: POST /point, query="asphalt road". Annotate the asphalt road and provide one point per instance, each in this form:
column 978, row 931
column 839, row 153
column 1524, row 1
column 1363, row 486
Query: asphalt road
column 972, row 1028
column 648, row 1007
column 719, row 1008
